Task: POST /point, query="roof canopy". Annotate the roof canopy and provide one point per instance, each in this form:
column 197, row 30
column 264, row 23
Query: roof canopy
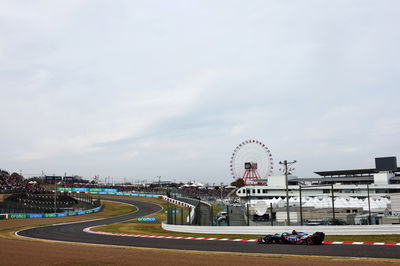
column 353, row 172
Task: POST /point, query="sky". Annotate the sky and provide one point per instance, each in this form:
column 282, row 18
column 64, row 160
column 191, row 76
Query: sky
column 141, row 89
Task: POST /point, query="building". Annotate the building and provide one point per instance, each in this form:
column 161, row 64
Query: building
column 380, row 181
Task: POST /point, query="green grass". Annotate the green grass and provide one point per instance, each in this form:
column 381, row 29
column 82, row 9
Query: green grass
column 115, row 209
column 215, row 210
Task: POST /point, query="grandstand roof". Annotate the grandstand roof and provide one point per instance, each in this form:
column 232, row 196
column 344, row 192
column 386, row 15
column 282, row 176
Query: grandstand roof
column 353, row 172
column 335, row 179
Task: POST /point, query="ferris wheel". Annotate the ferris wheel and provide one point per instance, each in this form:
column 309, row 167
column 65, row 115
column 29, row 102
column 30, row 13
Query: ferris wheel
column 251, row 160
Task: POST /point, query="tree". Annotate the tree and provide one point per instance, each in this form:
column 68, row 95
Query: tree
column 17, row 176
column 238, row 182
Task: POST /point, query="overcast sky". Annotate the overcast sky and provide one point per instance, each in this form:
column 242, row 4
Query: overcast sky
column 139, row 89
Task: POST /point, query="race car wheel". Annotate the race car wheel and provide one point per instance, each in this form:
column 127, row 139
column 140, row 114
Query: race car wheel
column 276, row 241
column 309, row 241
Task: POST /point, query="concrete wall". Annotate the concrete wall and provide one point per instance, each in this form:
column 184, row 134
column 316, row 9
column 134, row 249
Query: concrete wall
column 262, row 230
column 382, row 178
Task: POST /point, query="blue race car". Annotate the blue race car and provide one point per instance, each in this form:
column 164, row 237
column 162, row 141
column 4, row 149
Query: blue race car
column 294, row 238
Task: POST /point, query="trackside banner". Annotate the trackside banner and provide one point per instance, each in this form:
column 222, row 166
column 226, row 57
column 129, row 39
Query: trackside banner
column 126, row 194
column 105, row 191
column 85, row 189
column 46, row 215
column 147, row 219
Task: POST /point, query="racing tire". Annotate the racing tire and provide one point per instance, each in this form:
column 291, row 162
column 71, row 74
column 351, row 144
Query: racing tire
column 268, row 240
column 276, row 241
column 309, row 241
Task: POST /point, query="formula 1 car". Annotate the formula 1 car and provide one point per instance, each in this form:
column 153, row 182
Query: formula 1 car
column 294, row 238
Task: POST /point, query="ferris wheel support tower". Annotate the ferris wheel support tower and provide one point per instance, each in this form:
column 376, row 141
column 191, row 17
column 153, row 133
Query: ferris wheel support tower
column 250, row 174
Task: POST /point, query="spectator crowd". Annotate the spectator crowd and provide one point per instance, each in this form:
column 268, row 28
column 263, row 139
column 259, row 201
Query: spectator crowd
column 15, row 183
column 205, row 193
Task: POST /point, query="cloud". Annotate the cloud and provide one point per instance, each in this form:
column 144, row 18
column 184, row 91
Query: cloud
column 140, row 89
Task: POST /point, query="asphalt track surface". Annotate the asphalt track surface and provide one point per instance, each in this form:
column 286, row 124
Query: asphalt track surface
column 74, row 233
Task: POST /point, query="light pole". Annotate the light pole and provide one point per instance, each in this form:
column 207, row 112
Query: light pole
column 247, row 209
column 333, row 205
column 301, row 207
column 285, row 163
column 369, row 207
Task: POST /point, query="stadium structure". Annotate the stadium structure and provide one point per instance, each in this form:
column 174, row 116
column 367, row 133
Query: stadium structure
column 349, row 194
column 381, row 181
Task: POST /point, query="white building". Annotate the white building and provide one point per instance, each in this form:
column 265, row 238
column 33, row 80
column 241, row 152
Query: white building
column 379, row 181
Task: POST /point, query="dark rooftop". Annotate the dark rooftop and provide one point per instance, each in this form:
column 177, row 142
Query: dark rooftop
column 353, row 172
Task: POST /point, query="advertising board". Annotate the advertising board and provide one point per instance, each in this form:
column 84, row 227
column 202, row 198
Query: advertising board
column 147, row 219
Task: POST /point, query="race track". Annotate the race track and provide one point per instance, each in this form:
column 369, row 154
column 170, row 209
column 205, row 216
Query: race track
column 74, row 233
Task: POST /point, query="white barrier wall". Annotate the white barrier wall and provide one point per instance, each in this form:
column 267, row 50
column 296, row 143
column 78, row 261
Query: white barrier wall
column 183, row 204
column 262, row 230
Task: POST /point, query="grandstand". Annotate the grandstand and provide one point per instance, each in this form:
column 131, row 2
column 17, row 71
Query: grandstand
column 15, row 183
column 46, row 203
column 19, row 195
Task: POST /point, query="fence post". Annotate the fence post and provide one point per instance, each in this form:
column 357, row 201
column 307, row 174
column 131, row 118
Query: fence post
column 181, row 215
column 190, row 211
column 211, row 215
column 248, row 214
column 228, row 217
column 175, row 221
column 168, row 219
